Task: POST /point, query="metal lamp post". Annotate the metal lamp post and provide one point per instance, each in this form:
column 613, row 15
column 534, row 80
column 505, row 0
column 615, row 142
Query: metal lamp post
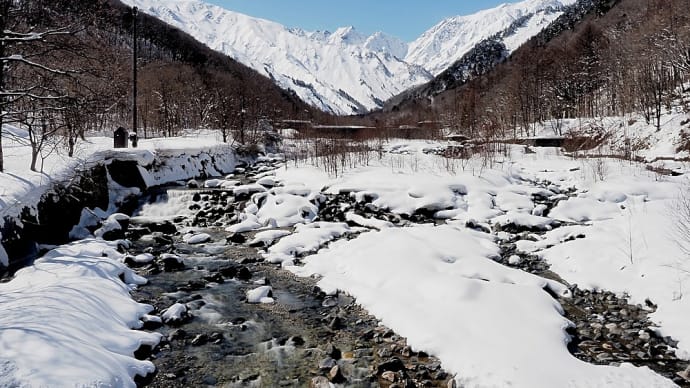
column 133, row 137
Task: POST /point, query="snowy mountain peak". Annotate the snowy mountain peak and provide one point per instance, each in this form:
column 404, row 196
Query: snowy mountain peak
column 384, row 43
column 453, row 37
column 345, row 71
column 347, row 35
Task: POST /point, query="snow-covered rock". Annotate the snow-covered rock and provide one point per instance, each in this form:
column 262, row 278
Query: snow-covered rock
column 263, row 294
column 268, row 237
column 176, row 313
column 196, row 238
column 140, row 259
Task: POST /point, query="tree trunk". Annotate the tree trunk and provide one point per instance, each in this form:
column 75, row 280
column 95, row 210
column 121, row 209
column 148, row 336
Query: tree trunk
column 34, row 157
column 4, row 11
column 2, row 164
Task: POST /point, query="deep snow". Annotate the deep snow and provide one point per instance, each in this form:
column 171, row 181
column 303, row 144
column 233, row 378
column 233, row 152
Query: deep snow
column 437, row 285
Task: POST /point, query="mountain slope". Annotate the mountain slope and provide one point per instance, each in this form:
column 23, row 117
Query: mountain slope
column 343, row 72
column 447, row 42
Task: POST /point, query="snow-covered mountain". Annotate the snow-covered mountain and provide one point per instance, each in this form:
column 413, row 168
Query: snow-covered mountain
column 449, row 40
column 346, row 72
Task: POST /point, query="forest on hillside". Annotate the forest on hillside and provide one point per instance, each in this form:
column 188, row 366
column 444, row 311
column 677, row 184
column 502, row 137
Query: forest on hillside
column 623, row 56
column 68, row 69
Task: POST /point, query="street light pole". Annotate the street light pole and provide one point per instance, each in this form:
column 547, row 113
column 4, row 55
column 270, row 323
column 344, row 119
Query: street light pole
column 134, row 138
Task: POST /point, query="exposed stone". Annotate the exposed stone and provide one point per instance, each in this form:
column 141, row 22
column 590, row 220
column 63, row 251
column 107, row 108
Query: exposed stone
column 237, row 238
column 389, row 376
column 333, row 352
column 336, row 376
column 200, row 339
column 319, row 382
column 327, row 363
column 171, row 263
column 244, row 274
column 394, row 365
column 177, row 334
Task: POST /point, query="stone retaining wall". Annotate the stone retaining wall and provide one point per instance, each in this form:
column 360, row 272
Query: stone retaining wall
column 107, row 183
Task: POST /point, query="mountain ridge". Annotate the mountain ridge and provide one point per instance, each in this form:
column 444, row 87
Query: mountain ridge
column 346, row 72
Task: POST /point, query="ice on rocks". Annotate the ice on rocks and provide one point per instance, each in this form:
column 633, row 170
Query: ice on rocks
column 112, row 223
column 213, row 183
column 248, row 189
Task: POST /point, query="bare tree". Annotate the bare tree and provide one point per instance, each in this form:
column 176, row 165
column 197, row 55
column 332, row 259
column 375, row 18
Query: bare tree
column 27, row 71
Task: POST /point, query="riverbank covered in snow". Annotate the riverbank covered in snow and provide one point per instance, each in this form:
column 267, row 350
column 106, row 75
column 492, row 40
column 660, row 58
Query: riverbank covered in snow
column 69, row 319
column 419, row 240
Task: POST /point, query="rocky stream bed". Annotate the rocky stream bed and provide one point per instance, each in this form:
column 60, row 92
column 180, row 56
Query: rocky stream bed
column 213, row 336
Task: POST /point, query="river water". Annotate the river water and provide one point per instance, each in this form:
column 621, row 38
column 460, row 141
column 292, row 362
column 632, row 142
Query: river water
column 305, row 338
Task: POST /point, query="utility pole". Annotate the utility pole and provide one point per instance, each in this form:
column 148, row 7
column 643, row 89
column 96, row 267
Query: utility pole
column 134, row 135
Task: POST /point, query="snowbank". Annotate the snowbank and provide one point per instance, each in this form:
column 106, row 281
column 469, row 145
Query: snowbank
column 492, row 325
column 68, row 319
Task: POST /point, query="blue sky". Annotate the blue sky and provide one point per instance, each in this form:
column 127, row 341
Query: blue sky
column 406, row 19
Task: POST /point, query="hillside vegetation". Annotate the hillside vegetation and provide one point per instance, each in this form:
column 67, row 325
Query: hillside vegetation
column 618, row 57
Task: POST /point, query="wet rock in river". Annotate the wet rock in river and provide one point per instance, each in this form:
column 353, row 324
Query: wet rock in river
column 333, row 352
column 237, row 238
column 193, row 285
column 244, row 274
column 199, row 339
column 215, row 278
column 335, row 323
column 165, row 227
column 177, row 334
column 228, row 271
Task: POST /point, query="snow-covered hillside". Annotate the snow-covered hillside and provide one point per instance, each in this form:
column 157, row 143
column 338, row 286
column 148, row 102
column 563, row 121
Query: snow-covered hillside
column 448, row 41
column 604, row 227
column 346, row 72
